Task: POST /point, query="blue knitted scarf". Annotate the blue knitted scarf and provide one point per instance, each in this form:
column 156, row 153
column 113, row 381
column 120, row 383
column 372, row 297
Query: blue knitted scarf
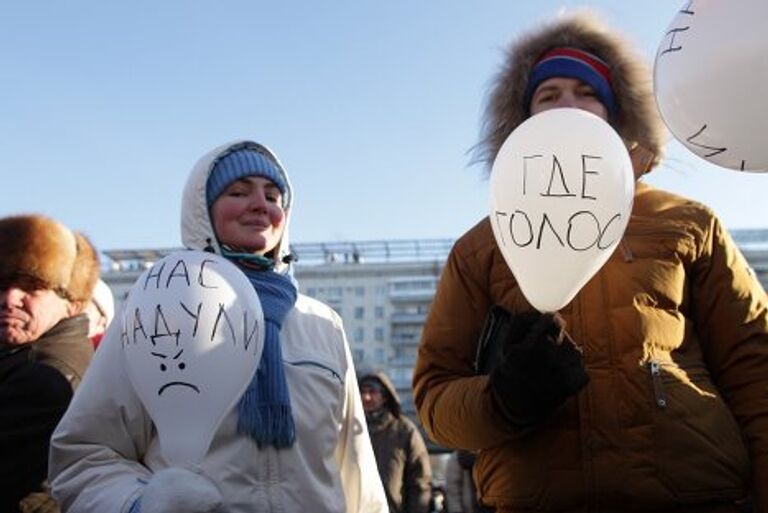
column 264, row 411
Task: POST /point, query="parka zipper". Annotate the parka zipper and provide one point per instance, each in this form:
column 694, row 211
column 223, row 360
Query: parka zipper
column 658, row 386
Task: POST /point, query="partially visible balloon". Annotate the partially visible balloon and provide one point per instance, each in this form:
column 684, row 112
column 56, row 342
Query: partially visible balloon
column 192, row 336
column 562, row 187
column 709, row 73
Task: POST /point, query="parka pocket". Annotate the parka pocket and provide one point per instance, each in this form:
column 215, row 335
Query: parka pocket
column 324, row 368
column 700, row 451
column 539, row 471
column 654, row 266
column 657, row 239
column 317, row 400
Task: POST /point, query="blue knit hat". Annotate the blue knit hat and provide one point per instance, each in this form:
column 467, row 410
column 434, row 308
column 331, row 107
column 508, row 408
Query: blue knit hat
column 238, row 164
column 574, row 63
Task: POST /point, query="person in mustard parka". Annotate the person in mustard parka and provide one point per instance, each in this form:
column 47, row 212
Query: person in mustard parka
column 649, row 390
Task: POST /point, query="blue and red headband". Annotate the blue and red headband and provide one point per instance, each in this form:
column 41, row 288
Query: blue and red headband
column 573, row 63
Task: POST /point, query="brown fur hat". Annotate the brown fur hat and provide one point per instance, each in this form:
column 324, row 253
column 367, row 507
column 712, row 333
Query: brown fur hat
column 637, row 122
column 40, row 252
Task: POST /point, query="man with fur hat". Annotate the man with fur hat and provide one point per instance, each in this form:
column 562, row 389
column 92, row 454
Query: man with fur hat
column 648, row 391
column 401, row 455
column 47, row 275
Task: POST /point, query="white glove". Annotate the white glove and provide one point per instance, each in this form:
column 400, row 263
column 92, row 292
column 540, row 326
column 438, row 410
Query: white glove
column 177, row 490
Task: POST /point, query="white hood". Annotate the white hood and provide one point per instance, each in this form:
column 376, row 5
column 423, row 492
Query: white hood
column 196, row 228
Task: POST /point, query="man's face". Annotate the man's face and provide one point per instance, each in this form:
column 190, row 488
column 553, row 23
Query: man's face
column 373, row 398
column 25, row 315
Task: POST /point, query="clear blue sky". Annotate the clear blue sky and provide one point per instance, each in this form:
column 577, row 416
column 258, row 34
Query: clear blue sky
column 372, row 107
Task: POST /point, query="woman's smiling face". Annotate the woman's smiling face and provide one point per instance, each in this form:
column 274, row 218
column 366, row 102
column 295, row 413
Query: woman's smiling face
column 248, row 216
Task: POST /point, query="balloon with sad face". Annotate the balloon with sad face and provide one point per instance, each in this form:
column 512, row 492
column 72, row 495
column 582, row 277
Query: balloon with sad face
column 192, row 336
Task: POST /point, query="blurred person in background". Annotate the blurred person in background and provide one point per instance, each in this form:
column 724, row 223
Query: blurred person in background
column 401, row 455
column 100, row 310
column 460, row 492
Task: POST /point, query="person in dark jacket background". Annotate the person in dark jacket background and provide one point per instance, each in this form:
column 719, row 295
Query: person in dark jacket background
column 401, row 454
column 460, row 491
column 47, row 276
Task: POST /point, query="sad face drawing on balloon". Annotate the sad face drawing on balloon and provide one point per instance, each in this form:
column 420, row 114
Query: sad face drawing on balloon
column 169, row 354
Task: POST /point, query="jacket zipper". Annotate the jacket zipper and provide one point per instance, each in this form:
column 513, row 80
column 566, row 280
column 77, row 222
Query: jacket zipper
column 658, row 386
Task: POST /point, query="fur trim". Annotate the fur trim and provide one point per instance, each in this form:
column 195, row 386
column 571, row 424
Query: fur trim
column 85, row 272
column 638, row 121
column 42, row 251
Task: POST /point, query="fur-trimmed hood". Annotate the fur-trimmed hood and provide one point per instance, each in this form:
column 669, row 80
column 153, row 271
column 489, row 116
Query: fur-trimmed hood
column 43, row 252
column 637, row 122
column 196, row 225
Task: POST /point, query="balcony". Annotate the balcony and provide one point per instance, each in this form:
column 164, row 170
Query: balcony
column 408, row 318
column 424, row 295
column 412, row 289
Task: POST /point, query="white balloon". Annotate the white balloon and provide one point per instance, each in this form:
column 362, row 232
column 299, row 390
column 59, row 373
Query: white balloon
column 709, row 73
column 192, row 336
column 562, row 187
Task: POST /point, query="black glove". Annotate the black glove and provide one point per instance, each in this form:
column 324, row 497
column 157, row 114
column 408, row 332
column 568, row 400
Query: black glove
column 534, row 367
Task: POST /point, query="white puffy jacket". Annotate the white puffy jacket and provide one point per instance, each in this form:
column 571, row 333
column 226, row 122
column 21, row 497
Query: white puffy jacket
column 106, row 447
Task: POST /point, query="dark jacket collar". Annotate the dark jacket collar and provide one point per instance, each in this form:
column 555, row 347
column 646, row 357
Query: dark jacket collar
column 66, row 347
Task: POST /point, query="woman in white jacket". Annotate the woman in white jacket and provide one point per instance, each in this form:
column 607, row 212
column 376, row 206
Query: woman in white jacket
column 297, row 440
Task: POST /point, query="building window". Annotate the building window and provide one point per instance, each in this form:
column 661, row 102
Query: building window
column 378, row 334
column 378, row 312
column 360, row 291
column 359, row 334
column 379, row 356
column 335, row 291
column 358, row 355
column 312, row 292
column 359, row 312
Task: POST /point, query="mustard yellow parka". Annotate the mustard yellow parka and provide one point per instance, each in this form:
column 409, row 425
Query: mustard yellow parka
column 674, row 332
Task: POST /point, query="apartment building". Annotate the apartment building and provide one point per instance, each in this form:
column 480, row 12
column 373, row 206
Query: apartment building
column 381, row 289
